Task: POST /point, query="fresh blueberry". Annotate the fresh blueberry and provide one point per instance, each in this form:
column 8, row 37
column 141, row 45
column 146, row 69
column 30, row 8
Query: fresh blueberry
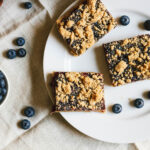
column 11, row 54
column 21, row 52
column 116, row 108
column 25, row 124
column 138, row 103
column 148, row 94
column 28, row 5
column 29, row 112
column 2, row 83
column 20, row 41
column 1, row 98
column 3, row 91
column 1, row 75
column 147, row 25
column 125, row 20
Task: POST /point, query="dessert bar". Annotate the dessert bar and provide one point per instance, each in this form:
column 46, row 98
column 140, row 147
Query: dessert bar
column 129, row 59
column 84, row 25
column 78, row 91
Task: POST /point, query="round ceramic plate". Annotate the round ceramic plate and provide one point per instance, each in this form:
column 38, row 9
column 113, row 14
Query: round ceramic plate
column 132, row 124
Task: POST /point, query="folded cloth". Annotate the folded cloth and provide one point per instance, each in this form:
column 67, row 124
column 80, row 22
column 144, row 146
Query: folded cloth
column 25, row 75
column 27, row 88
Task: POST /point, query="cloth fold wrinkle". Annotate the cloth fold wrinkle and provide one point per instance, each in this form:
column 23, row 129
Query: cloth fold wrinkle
column 17, row 17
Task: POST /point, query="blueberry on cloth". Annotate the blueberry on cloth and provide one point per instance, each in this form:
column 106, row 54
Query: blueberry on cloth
column 29, row 111
column 25, row 124
column 20, row 41
column 11, row 54
column 138, row 103
column 147, row 25
column 116, row 108
column 21, row 52
column 125, row 20
column 28, row 5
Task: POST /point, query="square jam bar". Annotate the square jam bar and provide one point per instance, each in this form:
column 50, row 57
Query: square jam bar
column 129, row 59
column 85, row 24
column 78, row 91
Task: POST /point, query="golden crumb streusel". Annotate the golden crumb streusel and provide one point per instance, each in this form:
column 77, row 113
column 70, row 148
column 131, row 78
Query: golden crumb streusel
column 78, row 91
column 85, row 25
column 129, row 59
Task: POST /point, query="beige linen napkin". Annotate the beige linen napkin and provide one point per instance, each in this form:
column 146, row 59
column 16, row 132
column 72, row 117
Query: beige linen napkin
column 25, row 76
column 26, row 84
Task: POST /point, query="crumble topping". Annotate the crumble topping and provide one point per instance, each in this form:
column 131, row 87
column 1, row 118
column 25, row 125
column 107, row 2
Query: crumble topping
column 70, row 23
column 79, row 91
column 121, row 66
column 129, row 59
column 85, row 25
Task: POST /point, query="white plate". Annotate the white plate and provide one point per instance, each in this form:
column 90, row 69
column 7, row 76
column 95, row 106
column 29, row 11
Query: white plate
column 132, row 124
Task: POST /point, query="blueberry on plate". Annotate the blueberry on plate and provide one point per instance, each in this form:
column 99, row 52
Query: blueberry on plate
column 29, row 111
column 138, row 103
column 11, row 54
column 25, row 124
column 28, row 5
column 147, row 25
column 125, row 20
column 21, row 52
column 148, row 94
column 116, row 108
column 20, row 41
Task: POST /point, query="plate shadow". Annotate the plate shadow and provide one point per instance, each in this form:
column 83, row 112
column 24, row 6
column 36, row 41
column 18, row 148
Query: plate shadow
column 102, row 64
